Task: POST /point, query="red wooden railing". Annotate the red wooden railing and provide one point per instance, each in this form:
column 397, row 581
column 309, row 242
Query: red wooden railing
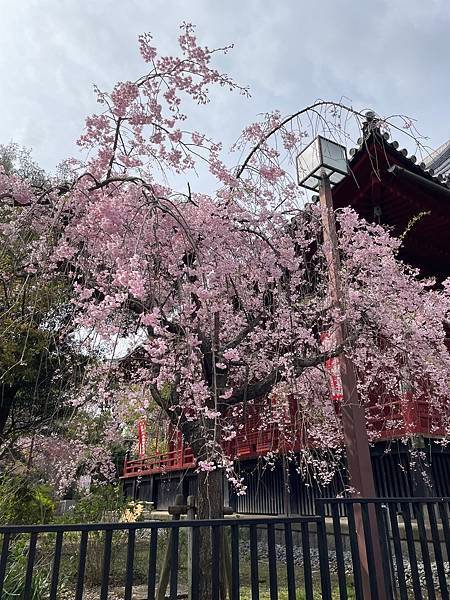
column 404, row 417
column 173, row 460
column 392, row 419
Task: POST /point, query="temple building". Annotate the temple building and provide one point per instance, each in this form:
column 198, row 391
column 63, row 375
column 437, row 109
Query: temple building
column 386, row 185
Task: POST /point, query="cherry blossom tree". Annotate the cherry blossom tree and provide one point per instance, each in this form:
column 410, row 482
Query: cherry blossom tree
column 228, row 291
column 38, row 362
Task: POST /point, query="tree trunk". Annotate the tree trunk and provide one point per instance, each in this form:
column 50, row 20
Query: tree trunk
column 6, row 402
column 210, row 495
column 210, row 499
column 210, row 504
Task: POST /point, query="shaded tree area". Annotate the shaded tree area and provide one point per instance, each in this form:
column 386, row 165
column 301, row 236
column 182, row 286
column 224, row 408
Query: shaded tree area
column 35, row 366
column 43, row 433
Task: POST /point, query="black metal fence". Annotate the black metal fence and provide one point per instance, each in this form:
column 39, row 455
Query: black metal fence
column 405, row 548
column 383, row 548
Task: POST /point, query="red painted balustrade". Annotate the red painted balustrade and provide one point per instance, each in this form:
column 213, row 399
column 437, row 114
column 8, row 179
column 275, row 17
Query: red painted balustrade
column 392, row 419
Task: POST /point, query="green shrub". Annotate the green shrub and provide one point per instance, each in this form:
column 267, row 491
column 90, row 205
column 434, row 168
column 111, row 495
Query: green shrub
column 96, row 504
column 24, row 501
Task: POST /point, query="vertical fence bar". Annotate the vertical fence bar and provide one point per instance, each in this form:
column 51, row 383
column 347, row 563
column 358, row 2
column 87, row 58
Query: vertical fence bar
column 56, row 565
column 383, row 533
column 4, row 560
column 398, row 551
column 254, row 562
column 151, row 576
column 307, row 571
column 106, row 564
column 425, row 552
column 30, row 565
column 81, row 565
column 373, row 583
column 289, row 561
column 235, row 575
column 215, row 555
column 411, row 550
column 337, row 534
column 273, row 580
column 173, row 591
column 443, row 513
column 355, row 552
column 437, row 551
column 323, row 552
column 387, row 522
column 195, row 557
column 130, row 564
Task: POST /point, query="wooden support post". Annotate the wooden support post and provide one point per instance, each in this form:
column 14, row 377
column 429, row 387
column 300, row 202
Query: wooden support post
column 353, row 415
column 176, row 512
column 190, row 510
column 225, row 570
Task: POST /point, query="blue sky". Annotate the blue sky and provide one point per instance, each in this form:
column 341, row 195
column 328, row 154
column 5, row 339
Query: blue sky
column 393, row 56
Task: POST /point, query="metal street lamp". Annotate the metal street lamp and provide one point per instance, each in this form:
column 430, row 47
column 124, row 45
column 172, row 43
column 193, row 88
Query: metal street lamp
column 321, row 158
column 322, row 164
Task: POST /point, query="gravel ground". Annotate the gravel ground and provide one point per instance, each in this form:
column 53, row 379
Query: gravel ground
column 315, row 565
column 280, row 551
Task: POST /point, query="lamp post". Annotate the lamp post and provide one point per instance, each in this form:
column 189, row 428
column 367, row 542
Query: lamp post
column 322, row 164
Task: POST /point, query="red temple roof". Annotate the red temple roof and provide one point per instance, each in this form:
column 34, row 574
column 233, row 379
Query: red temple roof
column 386, row 185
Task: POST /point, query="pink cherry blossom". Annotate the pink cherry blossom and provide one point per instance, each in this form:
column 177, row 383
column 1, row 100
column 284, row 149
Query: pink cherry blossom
column 229, row 290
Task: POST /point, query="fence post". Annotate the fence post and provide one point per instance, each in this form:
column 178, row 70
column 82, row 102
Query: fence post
column 322, row 543
column 191, row 510
column 369, row 549
column 176, row 512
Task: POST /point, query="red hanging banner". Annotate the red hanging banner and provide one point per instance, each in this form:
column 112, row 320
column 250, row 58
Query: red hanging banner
column 142, row 437
column 332, row 366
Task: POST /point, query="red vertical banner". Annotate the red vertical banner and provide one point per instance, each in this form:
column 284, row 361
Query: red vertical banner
column 142, row 437
column 332, row 367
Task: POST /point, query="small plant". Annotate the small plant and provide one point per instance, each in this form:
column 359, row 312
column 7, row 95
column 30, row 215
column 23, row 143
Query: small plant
column 132, row 512
column 14, row 582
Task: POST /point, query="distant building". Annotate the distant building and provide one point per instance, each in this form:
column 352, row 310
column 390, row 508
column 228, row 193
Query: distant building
column 439, row 160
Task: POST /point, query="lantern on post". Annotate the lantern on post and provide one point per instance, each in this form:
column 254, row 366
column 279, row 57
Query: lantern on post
column 321, row 158
column 318, row 165
column 322, row 164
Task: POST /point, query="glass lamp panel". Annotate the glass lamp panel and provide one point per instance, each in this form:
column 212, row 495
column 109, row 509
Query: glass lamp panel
column 333, row 155
column 308, row 161
column 312, row 183
column 336, row 177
